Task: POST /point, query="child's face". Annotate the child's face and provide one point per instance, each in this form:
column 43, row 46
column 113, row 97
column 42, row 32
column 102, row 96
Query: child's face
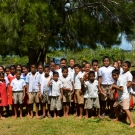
column 72, row 63
column 125, row 67
column 18, row 68
column 106, row 62
column 1, row 69
column 87, row 67
column 91, row 77
column 33, row 69
column 57, row 67
column 12, row 70
column 65, row 73
column 40, row 69
column 115, row 65
column 83, row 69
column 7, row 71
column 115, row 76
column 95, row 65
column 2, row 78
column 77, row 70
column 52, row 66
column 24, row 70
column 46, row 71
column 63, row 63
column 119, row 63
column 18, row 74
column 55, row 77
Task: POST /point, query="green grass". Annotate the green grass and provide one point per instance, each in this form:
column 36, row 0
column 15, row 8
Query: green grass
column 64, row 126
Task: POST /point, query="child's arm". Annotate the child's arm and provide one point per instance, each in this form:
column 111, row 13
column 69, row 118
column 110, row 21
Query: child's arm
column 117, row 87
column 129, row 84
column 49, row 82
column 99, row 84
column 72, row 88
column 61, row 91
column 23, row 92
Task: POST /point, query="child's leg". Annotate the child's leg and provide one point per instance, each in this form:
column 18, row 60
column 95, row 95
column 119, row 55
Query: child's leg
column 1, row 111
column 55, row 114
column 103, row 107
column 116, row 114
column 67, row 108
column 81, row 111
column 76, row 110
column 58, row 113
column 130, row 118
column 7, row 110
column 48, row 112
column 21, row 110
column 98, row 112
column 12, row 107
column 15, row 110
column 44, row 109
column 31, row 110
column 64, row 109
column 37, row 108
column 87, row 114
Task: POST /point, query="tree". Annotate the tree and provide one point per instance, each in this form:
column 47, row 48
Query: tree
column 33, row 27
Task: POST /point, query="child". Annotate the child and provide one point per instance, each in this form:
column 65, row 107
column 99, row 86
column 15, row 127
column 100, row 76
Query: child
column 41, row 70
column 7, row 71
column 18, row 67
column 105, row 81
column 56, row 94
column 68, row 90
column 3, row 94
column 95, row 68
column 18, row 89
column 11, row 76
column 78, row 90
column 91, row 94
column 52, row 68
column 123, row 96
column 33, row 89
column 71, row 68
column 45, row 92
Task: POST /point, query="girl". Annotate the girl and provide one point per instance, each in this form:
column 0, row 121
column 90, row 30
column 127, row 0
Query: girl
column 19, row 67
column 7, row 71
column 3, row 94
column 11, row 76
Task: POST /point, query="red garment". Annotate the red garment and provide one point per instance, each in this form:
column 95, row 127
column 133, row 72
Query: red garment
column 3, row 94
column 10, row 99
column 132, row 102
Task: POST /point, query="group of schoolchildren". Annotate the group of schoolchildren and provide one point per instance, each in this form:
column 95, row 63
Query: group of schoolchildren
column 76, row 89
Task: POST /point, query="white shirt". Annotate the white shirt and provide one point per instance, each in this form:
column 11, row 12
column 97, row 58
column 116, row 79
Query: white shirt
column 91, row 89
column 106, row 74
column 56, row 86
column 17, row 85
column 127, row 77
column 77, row 81
column 121, row 82
column 71, row 72
column 6, row 80
column 43, row 74
column 44, row 84
column 121, row 70
column 60, row 72
column 67, row 82
column 33, row 81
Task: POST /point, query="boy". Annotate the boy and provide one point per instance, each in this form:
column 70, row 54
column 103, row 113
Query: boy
column 33, row 89
column 123, row 96
column 78, row 90
column 45, row 92
column 56, row 94
column 105, row 81
column 18, row 88
column 68, row 90
column 71, row 68
column 95, row 68
column 52, row 66
column 91, row 94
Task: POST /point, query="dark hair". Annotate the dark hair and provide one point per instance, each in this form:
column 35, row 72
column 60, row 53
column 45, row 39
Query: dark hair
column 133, row 73
column 2, row 68
column 52, row 62
column 25, row 66
column 18, row 65
column 128, row 63
column 33, row 65
column 1, row 74
column 12, row 66
column 47, row 67
column 94, row 61
column 64, row 68
column 84, row 61
column 87, row 63
column 55, row 73
column 105, row 57
column 18, row 71
column 116, row 71
column 7, row 68
column 63, row 59
column 41, row 65
column 91, row 73
column 77, row 65
column 72, row 59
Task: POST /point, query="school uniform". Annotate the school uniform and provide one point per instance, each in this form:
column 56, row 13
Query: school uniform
column 91, row 95
column 71, row 72
column 77, row 87
column 107, row 81
column 33, row 82
column 45, row 89
column 56, row 102
column 67, row 83
column 17, row 89
column 123, row 96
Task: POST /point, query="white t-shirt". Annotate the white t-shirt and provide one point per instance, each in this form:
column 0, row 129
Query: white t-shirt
column 44, row 84
column 17, row 85
column 60, row 72
column 122, row 94
column 121, row 70
column 56, row 86
column 91, row 89
column 106, row 74
column 67, row 82
column 71, row 72
column 77, row 81
column 127, row 77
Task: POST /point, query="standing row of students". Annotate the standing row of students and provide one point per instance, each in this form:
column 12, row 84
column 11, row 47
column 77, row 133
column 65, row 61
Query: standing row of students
column 71, row 88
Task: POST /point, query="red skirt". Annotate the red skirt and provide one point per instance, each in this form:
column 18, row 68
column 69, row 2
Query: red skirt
column 10, row 99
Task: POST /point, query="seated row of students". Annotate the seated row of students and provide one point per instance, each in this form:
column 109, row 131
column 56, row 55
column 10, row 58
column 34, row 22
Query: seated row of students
column 58, row 88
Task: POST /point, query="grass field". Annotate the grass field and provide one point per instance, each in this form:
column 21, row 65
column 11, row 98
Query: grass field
column 64, row 126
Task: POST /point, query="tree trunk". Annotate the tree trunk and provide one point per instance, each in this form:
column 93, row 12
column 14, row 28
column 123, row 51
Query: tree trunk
column 43, row 52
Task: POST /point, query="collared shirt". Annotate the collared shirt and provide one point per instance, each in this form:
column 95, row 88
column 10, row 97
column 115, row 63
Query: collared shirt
column 33, row 81
column 91, row 89
column 121, row 82
column 127, row 76
column 106, row 74
column 17, row 85
column 44, row 84
column 71, row 72
column 23, row 76
column 77, row 81
column 67, row 82
column 56, row 86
